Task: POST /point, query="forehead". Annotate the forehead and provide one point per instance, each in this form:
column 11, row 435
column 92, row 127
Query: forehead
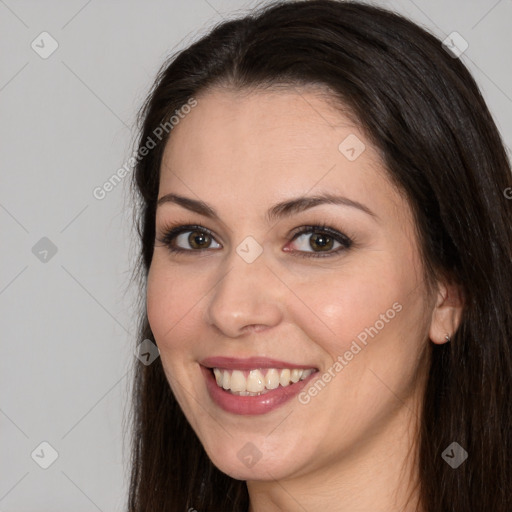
column 264, row 146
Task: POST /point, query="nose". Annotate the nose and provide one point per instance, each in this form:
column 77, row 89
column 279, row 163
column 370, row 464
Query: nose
column 248, row 297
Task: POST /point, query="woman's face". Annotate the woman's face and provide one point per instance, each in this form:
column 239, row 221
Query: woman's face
column 347, row 299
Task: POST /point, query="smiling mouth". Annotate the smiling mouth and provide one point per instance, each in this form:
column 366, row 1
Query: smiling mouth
column 258, row 381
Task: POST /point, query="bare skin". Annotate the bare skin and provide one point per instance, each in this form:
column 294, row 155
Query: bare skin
column 351, row 447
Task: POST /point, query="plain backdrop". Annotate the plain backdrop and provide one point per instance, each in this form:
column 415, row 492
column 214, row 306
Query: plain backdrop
column 67, row 122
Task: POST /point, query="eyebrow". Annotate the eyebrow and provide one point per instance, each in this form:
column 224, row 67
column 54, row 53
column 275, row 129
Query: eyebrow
column 279, row 210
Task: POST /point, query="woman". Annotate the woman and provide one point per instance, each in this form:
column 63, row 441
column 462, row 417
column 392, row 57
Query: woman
column 326, row 258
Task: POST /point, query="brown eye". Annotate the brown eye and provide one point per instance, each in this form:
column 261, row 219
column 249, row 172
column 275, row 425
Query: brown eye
column 199, row 240
column 188, row 239
column 321, row 241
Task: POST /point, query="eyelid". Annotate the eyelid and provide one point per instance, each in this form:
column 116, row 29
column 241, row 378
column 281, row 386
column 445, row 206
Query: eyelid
column 171, row 231
column 321, row 228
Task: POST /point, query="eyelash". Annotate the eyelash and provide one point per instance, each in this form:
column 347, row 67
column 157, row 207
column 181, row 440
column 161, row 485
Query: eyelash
column 171, row 231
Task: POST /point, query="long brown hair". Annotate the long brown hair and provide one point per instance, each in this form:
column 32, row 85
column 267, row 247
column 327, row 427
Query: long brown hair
column 423, row 111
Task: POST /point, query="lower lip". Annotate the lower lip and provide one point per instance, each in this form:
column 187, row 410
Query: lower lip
column 249, row 405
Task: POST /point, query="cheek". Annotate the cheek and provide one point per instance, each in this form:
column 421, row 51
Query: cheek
column 340, row 308
column 170, row 300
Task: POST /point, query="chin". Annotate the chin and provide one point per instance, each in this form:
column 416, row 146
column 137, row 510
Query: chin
column 260, row 471
column 243, row 461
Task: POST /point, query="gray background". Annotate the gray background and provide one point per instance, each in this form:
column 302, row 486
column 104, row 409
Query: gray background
column 67, row 125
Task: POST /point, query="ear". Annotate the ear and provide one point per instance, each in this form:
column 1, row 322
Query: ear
column 447, row 312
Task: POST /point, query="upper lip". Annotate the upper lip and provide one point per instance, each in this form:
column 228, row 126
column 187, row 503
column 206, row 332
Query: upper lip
column 249, row 363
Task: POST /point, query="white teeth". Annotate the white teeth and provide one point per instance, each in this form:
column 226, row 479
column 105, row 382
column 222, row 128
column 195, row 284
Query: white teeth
column 258, row 381
column 284, row 378
column 237, row 381
column 226, row 380
column 255, row 381
column 272, row 379
column 295, row 375
column 306, row 373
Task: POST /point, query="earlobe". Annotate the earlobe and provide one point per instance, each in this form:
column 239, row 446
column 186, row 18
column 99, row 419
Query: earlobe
column 447, row 313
